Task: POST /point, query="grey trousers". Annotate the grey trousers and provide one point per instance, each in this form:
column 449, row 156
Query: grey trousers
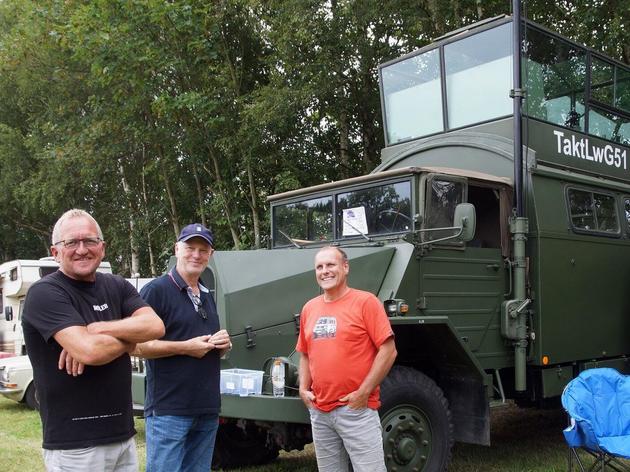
column 118, row 457
column 344, row 434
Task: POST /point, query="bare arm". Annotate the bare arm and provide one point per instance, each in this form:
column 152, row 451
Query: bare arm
column 143, row 325
column 84, row 347
column 194, row 347
column 380, row 367
column 304, row 374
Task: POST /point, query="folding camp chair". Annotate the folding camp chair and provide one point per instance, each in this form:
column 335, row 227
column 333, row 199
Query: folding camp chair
column 598, row 404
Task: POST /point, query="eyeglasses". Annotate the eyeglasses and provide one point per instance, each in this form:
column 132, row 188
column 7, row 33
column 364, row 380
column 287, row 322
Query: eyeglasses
column 74, row 243
column 196, row 299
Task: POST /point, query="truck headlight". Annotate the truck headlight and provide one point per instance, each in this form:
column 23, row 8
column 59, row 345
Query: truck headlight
column 396, row 307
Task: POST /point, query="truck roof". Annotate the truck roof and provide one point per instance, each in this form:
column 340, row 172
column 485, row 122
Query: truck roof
column 389, row 174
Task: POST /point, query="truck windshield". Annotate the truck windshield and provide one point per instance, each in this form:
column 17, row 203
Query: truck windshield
column 376, row 210
column 362, row 213
column 303, row 222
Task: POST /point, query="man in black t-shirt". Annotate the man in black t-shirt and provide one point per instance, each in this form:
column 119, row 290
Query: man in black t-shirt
column 182, row 402
column 79, row 328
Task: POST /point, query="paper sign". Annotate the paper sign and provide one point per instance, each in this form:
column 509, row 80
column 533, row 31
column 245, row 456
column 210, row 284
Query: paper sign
column 354, row 221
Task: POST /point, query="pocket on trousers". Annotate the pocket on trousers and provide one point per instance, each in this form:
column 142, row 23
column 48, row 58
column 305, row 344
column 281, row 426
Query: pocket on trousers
column 75, row 453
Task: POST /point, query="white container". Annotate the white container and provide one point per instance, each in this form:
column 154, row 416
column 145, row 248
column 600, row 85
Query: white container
column 241, row 382
column 277, row 378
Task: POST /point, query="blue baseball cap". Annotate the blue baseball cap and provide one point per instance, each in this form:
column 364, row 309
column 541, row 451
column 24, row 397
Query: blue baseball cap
column 196, row 230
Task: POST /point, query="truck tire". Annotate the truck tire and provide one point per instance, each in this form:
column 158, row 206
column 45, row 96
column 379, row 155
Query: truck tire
column 416, row 421
column 236, row 448
column 31, row 398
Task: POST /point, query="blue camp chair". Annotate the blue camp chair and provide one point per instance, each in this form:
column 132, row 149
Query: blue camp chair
column 598, row 404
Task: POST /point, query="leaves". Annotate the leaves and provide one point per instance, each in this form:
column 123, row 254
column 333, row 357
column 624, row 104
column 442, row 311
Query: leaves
column 154, row 114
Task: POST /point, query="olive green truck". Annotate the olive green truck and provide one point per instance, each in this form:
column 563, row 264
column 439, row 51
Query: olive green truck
column 486, row 304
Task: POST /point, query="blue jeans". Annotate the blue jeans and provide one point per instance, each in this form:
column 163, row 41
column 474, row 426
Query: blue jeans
column 180, row 443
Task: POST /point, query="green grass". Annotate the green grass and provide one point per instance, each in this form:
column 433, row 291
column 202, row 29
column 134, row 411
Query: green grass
column 524, row 440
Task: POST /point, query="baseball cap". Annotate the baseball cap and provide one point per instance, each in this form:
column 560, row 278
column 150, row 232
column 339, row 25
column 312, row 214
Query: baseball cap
column 196, row 230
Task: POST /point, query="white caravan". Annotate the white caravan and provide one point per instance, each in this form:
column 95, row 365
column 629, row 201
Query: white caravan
column 16, row 277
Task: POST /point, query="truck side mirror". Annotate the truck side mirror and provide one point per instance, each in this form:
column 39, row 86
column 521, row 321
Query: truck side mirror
column 466, row 219
column 8, row 313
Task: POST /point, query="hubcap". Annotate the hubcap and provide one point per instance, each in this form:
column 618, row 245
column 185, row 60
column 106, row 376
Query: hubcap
column 406, row 439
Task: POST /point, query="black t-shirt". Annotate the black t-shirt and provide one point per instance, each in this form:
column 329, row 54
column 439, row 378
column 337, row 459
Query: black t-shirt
column 95, row 407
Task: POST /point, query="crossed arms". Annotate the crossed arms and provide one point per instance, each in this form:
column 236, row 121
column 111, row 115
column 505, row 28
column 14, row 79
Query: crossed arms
column 103, row 341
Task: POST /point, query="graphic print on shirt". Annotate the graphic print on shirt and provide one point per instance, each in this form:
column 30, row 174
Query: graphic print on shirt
column 325, row 327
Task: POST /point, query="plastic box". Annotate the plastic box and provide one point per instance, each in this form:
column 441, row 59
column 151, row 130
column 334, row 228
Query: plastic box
column 241, row 382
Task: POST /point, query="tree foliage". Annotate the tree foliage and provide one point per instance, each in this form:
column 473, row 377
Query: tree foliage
column 153, row 114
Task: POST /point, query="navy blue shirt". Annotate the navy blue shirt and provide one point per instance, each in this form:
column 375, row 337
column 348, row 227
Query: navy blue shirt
column 181, row 385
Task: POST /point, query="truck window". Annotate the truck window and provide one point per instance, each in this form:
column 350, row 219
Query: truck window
column 303, row 222
column 555, row 79
column 406, row 85
column 626, row 213
column 478, row 72
column 610, row 84
column 442, row 196
column 381, row 209
column 593, row 212
column 487, row 207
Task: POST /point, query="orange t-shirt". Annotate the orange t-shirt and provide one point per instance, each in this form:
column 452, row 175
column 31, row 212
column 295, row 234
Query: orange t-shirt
column 341, row 339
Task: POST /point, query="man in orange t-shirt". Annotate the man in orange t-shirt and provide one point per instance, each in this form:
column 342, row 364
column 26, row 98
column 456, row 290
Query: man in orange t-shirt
column 347, row 347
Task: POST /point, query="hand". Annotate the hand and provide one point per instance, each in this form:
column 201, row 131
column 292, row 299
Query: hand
column 199, row 346
column 72, row 366
column 356, row 400
column 308, row 397
column 129, row 347
column 221, row 340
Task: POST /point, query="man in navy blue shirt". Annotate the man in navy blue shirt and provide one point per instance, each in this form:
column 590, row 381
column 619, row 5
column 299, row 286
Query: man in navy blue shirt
column 182, row 392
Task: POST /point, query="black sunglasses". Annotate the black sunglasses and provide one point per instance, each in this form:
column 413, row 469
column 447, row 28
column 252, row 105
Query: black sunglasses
column 198, row 305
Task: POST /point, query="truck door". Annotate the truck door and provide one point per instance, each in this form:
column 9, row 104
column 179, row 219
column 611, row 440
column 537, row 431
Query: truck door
column 466, row 281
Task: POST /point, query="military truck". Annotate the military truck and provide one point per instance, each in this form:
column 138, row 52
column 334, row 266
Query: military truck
column 487, row 303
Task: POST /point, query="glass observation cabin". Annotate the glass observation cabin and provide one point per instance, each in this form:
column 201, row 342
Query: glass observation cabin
column 464, row 79
column 460, row 81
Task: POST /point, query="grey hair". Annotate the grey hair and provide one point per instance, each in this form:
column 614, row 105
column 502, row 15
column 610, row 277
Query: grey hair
column 74, row 213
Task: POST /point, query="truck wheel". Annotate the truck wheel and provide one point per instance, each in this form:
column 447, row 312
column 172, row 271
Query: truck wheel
column 31, row 398
column 237, row 448
column 416, row 421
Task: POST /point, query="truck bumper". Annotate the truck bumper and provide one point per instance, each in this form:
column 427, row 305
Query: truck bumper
column 265, row 408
